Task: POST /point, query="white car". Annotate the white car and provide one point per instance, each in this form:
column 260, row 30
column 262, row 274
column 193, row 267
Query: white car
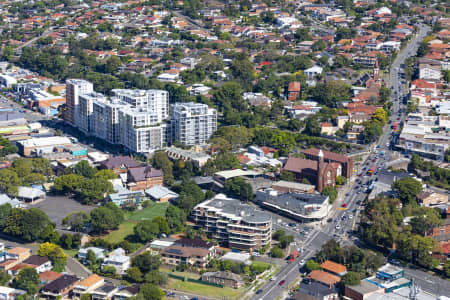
column 273, row 278
column 338, row 227
column 350, row 217
column 302, row 262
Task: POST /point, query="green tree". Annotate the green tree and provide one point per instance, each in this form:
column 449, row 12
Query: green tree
column 311, row 265
column 7, row 147
column 146, row 262
column 5, row 211
column 427, row 219
column 330, row 192
column 151, row 292
column 68, row 183
column 276, row 252
column 312, row 127
column 4, row 278
column 112, row 65
column 95, row 189
column 175, row 218
column 84, row 169
column 133, row 274
column 22, row 166
column 76, row 220
column 407, row 189
column 28, row 280
column 55, row 254
column 341, row 180
column 371, row 132
column 287, row 176
column 302, row 34
column 332, row 93
column 105, row 174
column 66, row 241
column 239, row 188
column 91, row 258
column 162, row 161
column 103, row 219
column 9, row 182
column 351, row 278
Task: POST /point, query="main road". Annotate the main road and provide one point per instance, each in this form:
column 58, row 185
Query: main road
column 343, row 220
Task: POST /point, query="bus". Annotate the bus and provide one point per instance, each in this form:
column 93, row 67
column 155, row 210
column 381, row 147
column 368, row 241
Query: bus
column 395, row 126
column 372, row 170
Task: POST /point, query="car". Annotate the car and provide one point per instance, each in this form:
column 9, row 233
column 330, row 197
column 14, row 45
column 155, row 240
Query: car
column 172, row 294
column 282, row 282
column 338, row 227
column 292, row 224
column 184, row 297
column 344, row 205
column 374, row 160
column 273, row 278
column 302, row 262
column 350, row 217
column 330, row 220
column 256, row 254
column 398, row 119
column 259, row 292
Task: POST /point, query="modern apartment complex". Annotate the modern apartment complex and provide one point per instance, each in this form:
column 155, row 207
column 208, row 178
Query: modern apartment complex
column 137, row 119
column 233, row 224
column 75, row 88
column 193, row 123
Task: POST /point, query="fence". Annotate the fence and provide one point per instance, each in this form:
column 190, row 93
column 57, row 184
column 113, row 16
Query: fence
column 194, row 280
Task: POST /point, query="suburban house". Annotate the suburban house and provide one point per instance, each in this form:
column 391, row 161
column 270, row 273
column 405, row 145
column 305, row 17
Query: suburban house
column 87, row 285
column 144, row 177
column 59, row 288
column 48, row 276
column 323, row 277
column 7, row 293
column 99, row 252
column 127, row 292
column 196, row 243
column 18, row 254
column 431, row 198
column 179, row 255
column 334, row 268
column 294, row 90
column 223, row 278
column 40, row 263
column 118, row 260
column 104, row 292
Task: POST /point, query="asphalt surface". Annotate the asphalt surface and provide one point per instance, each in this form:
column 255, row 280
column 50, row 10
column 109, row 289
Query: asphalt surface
column 344, row 219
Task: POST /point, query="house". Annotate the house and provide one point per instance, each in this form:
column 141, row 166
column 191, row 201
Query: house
column 334, row 268
column 318, row 172
column 294, row 89
column 158, row 245
column 18, row 254
column 127, row 292
column 4, row 199
column 431, row 198
column 177, row 255
column 161, row 193
column 7, row 293
column 60, row 288
column 224, row 278
column 323, row 278
column 312, row 72
column 87, row 285
column 123, row 197
column 48, row 276
column 99, row 253
column 196, row 243
column 144, row 177
column 119, row 164
column 104, row 292
column 118, row 260
column 40, row 263
column 315, row 291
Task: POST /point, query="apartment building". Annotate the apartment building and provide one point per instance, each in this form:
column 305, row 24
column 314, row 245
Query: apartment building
column 157, row 101
column 233, row 224
column 192, row 123
column 106, row 119
column 75, row 88
column 141, row 130
column 85, row 118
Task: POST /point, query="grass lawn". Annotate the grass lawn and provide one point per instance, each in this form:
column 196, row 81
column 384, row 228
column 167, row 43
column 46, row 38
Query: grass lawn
column 125, row 229
column 148, row 213
column 184, row 274
column 71, row 252
column 205, row 290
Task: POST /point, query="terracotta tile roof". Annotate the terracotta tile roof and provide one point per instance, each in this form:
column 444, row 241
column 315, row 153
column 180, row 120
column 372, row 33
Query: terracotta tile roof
column 90, row 281
column 294, row 86
column 328, row 155
column 18, row 251
column 297, row 164
column 324, row 277
column 49, row 275
column 333, row 267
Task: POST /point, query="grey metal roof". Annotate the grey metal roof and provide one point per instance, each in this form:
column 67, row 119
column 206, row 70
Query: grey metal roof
column 293, row 201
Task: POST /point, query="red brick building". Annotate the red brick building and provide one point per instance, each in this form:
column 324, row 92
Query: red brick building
column 145, row 177
column 294, row 90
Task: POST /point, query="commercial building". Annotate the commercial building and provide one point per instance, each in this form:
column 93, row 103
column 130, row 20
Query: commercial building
column 7, row 81
column 192, row 123
column 231, row 223
column 298, row 206
column 36, row 146
column 75, row 88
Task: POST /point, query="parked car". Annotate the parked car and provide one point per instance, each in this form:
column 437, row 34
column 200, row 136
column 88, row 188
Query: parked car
column 282, row 282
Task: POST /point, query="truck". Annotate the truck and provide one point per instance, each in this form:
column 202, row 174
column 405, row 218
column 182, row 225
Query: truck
column 294, row 254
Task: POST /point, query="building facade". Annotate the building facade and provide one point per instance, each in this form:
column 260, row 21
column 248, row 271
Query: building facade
column 233, row 224
column 193, row 123
column 75, row 88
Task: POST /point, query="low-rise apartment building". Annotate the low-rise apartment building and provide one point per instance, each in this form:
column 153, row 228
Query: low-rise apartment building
column 231, row 223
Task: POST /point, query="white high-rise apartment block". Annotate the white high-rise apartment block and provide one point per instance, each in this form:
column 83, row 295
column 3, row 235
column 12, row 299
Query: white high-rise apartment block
column 85, row 120
column 156, row 101
column 192, row 123
column 106, row 119
column 75, row 88
column 140, row 130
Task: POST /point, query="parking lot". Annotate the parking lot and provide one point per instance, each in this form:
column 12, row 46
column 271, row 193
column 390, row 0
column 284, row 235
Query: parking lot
column 57, row 207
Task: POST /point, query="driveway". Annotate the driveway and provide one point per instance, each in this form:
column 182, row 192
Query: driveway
column 57, row 207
